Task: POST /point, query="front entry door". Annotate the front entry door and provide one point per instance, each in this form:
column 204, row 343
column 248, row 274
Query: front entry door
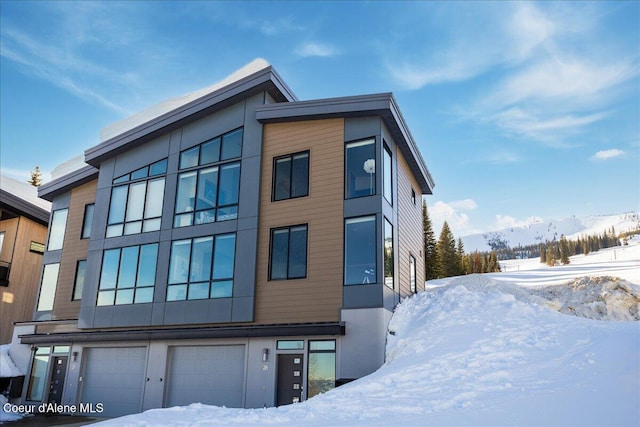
column 56, row 386
column 289, row 379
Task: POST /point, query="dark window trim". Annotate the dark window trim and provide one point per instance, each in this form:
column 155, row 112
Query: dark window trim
column 117, row 182
column 344, row 172
column 211, row 280
column 306, row 255
column 144, row 205
column 413, row 287
column 386, row 149
column 344, row 248
column 84, row 221
column 75, row 280
column 384, row 255
column 200, row 144
column 273, row 175
column 413, row 196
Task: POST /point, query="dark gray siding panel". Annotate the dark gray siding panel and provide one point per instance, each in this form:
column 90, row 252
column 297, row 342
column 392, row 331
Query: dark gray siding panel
column 363, row 296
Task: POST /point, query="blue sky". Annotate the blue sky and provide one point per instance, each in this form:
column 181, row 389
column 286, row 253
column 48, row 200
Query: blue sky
column 520, row 109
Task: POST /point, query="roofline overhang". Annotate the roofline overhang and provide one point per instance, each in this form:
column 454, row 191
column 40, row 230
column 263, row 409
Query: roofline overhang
column 382, row 104
column 66, row 182
column 245, row 331
column 265, row 80
column 22, row 207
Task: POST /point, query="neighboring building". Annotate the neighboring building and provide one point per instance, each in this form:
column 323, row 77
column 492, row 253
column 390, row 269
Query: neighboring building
column 232, row 247
column 23, row 232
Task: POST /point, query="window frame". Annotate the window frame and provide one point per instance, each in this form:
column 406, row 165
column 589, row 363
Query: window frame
column 288, row 257
column 75, row 297
column 391, row 283
column 373, row 187
column 211, row 280
column 59, row 232
column 374, row 240
column 49, row 288
column 141, row 175
column 274, row 176
column 412, row 274
column 387, row 175
column 312, row 351
column 87, row 220
column 118, row 276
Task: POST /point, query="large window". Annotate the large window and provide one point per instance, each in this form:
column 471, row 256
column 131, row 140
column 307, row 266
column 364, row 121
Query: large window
column 388, row 253
column 360, row 251
column 387, row 175
column 128, row 275
column 321, row 376
column 209, row 187
column 78, row 285
column 291, row 176
column 136, row 206
column 57, row 228
column 202, row 268
column 48, row 288
column 360, row 169
column 88, row 221
column 38, row 377
column 288, row 257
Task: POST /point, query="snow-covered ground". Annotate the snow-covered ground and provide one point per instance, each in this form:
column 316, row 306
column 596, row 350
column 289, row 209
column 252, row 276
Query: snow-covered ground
column 485, row 350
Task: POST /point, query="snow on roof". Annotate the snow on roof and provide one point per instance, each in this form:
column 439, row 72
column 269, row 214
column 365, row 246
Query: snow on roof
column 24, row 191
column 158, row 110
column 69, row 166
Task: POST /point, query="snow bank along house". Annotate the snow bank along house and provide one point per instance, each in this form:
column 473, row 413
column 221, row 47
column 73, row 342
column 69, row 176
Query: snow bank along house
column 233, row 247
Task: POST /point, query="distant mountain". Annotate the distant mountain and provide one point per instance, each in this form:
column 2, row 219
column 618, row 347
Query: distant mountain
column 540, row 231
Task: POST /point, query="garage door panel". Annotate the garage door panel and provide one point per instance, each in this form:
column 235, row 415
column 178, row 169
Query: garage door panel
column 115, row 378
column 211, row 375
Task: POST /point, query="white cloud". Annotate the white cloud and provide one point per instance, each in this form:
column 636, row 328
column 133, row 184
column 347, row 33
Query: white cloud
column 506, row 221
column 607, row 154
column 315, row 49
column 454, row 213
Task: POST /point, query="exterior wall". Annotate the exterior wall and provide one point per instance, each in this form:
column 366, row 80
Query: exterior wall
column 411, row 239
column 17, row 301
column 318, row 297
column 74, row 249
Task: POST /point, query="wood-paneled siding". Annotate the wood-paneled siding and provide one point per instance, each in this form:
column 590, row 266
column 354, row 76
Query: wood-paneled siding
column 409, row 228
column 17, row 301
column 74, row 249
column 318, row 297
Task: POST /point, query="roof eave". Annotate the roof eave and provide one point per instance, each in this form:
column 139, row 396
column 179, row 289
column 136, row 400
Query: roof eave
column 23, row 207
column 66, row 182
column 382, row 104
column 267, row 80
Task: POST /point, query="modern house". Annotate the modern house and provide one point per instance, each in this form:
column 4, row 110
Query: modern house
column 233, row 247
column 23, row 232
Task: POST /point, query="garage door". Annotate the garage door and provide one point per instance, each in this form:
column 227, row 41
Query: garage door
column 115, row 378
column 212, row 375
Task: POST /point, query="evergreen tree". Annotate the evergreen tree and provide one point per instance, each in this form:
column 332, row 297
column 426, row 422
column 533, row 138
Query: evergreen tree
column 494, row 265
column 543, row 254
column 430, row 250
column 564, row 250
column 448, row 263
column 36, row 177
column 460, row 253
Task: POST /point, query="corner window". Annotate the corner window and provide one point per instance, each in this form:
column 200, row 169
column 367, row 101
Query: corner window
column 136, row 207
column 87, row 222
column 387, row 175
column 48, row 287
column 78, row 284
column 288, row 256
column 360, row 251
column 412, row 273
column 321, row 375
column 128, row 275
column 360, row 169
column 202, row 268
column 388, row 253
column 57, row 228
column 210, row 193
column 291, row 176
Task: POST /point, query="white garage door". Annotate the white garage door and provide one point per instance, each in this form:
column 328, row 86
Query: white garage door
column 115, row 378
column 212, row 375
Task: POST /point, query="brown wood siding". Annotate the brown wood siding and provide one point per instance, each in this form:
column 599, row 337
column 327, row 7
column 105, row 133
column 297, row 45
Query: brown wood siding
column 409, row 227
column 318, row 297
column 17, row 301
column 74, row 249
